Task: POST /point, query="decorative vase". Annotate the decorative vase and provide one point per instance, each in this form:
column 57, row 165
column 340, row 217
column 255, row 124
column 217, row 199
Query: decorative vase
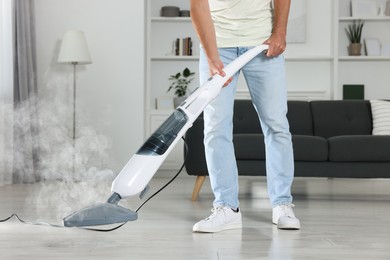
column 354, row 49
column 170, row 11
column 178, row 100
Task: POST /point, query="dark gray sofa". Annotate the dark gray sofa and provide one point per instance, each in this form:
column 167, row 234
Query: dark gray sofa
column 331, row 138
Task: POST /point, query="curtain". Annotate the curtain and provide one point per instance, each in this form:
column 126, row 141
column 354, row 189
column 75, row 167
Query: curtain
column 25, row 152
column 6, row 91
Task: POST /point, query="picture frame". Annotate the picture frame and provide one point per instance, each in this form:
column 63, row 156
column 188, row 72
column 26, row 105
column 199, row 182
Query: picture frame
column 387, row 10
column 355, row 91
column 385, row 50
column 165, row 103
column 373, row 46
column 364, row 8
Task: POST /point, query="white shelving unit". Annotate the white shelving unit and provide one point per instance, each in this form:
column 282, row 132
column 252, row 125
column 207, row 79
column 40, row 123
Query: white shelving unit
column 161, row 32
column 174, row 58
column 364, row 58
column 317, row 69
column 354, row 69
column 377, row 19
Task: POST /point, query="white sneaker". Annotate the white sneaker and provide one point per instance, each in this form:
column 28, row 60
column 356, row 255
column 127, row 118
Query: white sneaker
column 283, row 216
column 222, row 218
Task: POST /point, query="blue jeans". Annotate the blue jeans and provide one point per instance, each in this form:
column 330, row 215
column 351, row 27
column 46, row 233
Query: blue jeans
column 266, row 82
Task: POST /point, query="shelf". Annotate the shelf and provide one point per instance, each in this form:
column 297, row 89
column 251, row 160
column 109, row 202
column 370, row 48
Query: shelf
column 375, row 18
column 171, row 19
column 175, row 58
column 364, row 58
column 161, row 112
column 309, row 58
column 196, row 58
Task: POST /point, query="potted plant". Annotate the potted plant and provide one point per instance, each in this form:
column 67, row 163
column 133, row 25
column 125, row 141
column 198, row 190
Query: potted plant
column 354, row 32
column 180, row 82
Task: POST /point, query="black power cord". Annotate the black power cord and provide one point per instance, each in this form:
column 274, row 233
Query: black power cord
column 111, row 229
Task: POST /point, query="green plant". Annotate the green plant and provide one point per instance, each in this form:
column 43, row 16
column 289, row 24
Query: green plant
column 180, row 82
column 354, row 31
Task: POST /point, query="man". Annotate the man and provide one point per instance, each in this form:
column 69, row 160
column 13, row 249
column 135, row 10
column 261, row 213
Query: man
column 226, row 29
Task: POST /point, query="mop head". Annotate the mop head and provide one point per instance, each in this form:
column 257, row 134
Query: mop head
column 99, row 214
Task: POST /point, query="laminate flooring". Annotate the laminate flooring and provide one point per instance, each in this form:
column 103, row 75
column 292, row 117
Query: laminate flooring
column 340, row 218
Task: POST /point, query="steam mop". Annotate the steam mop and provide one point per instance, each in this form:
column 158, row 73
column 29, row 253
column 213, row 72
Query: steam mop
column 135, row 176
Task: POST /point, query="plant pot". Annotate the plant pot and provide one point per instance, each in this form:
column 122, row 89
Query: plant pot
column 354, row 49
column 178, row 100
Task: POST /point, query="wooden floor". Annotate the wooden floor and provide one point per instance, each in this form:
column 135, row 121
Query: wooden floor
column 341, row 219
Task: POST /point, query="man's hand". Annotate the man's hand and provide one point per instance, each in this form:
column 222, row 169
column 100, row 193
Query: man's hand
column 277, row 44
column 277, row 41
column 204, row 27
column 216, row 67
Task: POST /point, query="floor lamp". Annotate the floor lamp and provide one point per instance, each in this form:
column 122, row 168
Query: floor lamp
column 74, row 51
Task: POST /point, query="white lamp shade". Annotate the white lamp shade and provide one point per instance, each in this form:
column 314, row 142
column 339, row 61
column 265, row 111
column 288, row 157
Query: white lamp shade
column 74, row 48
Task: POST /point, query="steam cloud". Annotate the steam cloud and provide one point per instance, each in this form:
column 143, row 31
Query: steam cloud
column 69, row 176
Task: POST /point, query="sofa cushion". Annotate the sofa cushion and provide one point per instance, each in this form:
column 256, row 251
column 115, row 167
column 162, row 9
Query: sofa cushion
column 245, row 119
column 341, row 117
column 306, row 148
column 359, row 148
column 299, row 117
column 380, row 117
column 310, row 148
column 249, row 146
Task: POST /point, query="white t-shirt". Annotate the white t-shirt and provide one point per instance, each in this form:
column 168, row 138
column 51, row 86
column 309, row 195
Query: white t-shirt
column 240, row 23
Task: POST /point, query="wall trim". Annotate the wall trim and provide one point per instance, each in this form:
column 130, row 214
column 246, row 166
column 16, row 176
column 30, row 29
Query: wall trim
column 306, row 95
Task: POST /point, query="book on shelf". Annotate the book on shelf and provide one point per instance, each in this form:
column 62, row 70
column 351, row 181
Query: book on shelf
column 183, row 47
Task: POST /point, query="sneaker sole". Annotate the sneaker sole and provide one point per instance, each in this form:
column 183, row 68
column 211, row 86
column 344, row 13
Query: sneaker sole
column 214, row 230
column 289, row 226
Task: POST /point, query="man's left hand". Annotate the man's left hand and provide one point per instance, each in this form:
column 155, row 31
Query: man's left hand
column 277, row 44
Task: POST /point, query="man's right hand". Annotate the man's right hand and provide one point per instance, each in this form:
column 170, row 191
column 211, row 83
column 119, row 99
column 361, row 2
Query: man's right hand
column 216, row 67
column 204, row 27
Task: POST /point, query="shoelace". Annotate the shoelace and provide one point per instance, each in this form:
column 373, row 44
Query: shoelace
column 215, row 212
column 287, row 210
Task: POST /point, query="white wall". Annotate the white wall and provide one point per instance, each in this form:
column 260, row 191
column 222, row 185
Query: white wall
column 303, row 75
column 110, row 91
column 319, row 38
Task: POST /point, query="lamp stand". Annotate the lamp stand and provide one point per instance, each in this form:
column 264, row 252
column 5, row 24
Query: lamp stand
column 74, row 51
column 74, row 114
